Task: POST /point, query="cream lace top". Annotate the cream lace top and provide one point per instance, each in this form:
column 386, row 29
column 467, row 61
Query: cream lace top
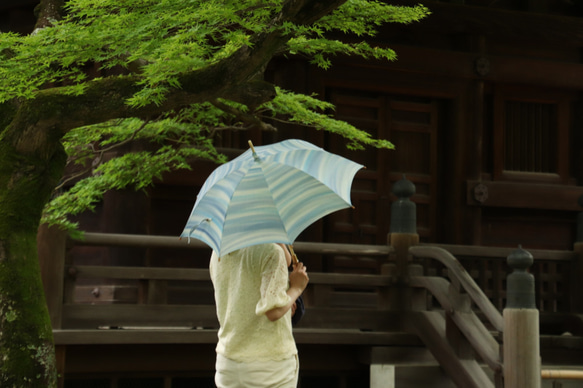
column 248, row 283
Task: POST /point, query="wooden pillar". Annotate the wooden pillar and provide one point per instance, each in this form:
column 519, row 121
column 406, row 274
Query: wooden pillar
column 577, row 273
column 522, row 362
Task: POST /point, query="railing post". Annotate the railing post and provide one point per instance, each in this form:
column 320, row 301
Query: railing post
column 402, row 235
column 403, row 228
column 522, row 363
column 577, row 273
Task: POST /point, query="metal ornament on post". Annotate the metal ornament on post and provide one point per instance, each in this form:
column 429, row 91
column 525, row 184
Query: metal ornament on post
column 522, row 362
column 403, row 210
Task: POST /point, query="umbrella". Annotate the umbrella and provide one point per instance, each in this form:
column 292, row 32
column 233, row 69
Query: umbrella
column 269, row 194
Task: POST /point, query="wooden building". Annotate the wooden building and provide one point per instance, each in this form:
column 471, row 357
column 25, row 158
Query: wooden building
column 484, row 106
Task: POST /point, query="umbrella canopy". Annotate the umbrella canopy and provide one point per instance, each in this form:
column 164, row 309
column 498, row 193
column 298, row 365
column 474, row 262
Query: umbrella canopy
column 269, row 194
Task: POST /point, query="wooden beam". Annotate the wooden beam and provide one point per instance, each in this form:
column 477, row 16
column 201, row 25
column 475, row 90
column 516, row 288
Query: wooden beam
column 450, row 18
column 128, row 315
column 523, row 195
column 150, row 241
column 209, row 336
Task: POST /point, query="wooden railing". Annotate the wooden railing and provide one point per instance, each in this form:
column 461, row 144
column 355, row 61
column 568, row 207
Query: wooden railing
column 341, row 308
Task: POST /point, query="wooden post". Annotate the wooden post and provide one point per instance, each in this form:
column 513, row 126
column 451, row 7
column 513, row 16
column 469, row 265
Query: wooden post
column 382, row 376
column 522, row 363
column 577, row 273
column 402, row 235
column 403, row 232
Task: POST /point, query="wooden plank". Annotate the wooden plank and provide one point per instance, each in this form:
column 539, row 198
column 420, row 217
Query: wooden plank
column 150, row 241
column 354, row 337
column 119, row 315
column 209, row 336
column 134, row 336
column 159, row 273
column 350, row 279
column 152, row 273
column 349, row 318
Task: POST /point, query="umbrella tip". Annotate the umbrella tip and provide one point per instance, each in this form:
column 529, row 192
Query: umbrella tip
column 253, row 150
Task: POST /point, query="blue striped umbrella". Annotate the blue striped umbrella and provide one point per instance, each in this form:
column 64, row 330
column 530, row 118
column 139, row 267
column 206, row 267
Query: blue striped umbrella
column 269, row 194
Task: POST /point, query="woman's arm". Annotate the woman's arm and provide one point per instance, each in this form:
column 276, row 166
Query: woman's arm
column 298, row 279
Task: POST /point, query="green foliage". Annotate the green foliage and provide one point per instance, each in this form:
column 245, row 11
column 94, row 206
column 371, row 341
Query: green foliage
column 309, row 111
column 158, row 42
column 174, row 142
column 162, row 39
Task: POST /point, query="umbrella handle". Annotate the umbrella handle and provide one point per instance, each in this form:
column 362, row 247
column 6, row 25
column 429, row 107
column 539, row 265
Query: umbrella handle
column 293, row 254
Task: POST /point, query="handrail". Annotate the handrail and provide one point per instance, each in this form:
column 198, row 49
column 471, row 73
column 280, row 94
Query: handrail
column 467, row 282
column 150, row 241
column 474, row 330
column 562, row 374
column 164, row 273
column 502, row 252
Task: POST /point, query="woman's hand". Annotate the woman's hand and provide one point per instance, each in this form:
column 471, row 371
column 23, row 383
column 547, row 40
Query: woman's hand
column 298, row 280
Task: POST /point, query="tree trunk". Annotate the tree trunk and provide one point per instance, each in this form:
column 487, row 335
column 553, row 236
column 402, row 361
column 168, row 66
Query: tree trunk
column 31, row 163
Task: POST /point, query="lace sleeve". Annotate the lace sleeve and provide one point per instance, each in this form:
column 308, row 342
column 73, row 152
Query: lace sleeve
column 274, row 284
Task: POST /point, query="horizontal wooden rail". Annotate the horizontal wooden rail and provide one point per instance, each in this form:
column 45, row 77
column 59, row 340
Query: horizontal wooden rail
column 148, row 241
column 164, row 273
column 502, row 253
column 562, row 374
column 467, row 282
column 154, row 273
column 209, row 336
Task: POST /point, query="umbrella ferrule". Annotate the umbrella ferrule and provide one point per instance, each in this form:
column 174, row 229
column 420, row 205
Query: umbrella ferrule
column 255, row 156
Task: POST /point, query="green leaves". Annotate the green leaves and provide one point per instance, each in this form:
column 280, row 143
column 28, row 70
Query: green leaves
column 174, row 143
column 309, row 111
column 160, row 42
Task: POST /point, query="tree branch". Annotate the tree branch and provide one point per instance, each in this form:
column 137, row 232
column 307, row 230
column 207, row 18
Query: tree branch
column 105, row 99
column 49, row 11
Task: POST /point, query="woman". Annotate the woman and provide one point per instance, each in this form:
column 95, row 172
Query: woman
column 254, row 295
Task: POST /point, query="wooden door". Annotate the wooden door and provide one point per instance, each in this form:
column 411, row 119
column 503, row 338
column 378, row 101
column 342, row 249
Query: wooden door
column 412, row 125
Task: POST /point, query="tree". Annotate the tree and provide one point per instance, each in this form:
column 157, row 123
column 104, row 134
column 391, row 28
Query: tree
column 169, row 73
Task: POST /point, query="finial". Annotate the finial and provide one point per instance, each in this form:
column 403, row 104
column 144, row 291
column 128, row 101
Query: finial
column 520, row 291
column 403, row 210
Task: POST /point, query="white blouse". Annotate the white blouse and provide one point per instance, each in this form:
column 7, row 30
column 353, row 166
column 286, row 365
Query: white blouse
column 248, row 283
